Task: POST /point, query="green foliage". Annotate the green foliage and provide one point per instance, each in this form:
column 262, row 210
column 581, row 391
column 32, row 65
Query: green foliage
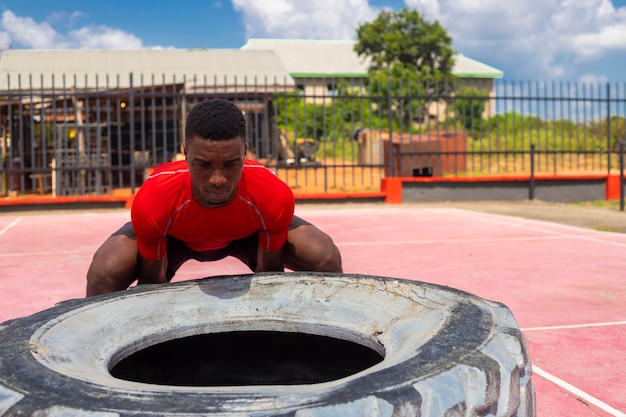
column 405, row 95
column 615, row 129
column 334, row 119
column 515, row 132
column 47, row 133
column 469, row 107
column 404, row 40
column 410, row 58
column 514, row 122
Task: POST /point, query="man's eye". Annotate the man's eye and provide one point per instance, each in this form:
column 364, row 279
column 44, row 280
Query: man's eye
column 203, row 164
column 230, row 164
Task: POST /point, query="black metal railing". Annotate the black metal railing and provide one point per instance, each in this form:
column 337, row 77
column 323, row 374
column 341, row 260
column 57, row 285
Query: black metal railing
column 90, row 139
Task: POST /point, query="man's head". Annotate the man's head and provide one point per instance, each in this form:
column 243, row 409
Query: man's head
column 215, row 149
column 215, row 120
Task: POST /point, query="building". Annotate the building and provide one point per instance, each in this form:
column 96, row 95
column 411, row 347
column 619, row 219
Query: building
column 115, row 109
column 318, row 65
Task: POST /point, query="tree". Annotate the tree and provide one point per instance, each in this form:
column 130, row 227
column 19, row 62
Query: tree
column 414, row 55
column 469, row 107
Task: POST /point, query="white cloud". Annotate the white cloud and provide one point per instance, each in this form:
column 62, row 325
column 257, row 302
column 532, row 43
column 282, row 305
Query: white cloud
column 320, row 19
column 593, row 79
column 539, row 38
column 63, row 18
column 530, row 39
column 5, row 41
column 598, row 43
column 102, row 37
column 24, row 32
column 428, row 7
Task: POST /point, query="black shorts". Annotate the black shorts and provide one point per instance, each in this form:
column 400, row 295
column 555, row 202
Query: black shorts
column 178, row 252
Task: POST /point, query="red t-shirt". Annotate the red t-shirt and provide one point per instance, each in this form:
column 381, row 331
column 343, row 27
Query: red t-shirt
column 164, row 206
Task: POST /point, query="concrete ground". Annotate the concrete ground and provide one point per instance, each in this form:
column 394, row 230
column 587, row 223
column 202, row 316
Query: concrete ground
column 564, row 284
column 607, row 218
column 603, row 217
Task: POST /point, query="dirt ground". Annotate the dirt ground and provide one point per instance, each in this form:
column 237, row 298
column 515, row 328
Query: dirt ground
column 604, row 218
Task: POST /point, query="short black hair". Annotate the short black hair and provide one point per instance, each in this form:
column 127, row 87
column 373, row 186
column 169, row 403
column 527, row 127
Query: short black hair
column 215, row 119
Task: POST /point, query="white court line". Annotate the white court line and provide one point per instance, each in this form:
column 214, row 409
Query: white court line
column 575, row 326
column 431, row 241
column 521, row 222
column 578, row 392
column 10, row 225
column 60, row 252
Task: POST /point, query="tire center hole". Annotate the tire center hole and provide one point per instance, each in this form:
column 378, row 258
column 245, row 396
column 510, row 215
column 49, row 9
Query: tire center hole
column 246, row 358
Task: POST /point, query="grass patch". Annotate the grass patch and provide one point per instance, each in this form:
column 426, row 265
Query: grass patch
column 598, row 203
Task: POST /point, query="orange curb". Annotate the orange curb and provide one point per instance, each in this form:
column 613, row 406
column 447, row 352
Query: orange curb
column 391, row 190
column 17, row 201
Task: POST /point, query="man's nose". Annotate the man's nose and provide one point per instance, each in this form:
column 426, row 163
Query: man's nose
column 217, row 178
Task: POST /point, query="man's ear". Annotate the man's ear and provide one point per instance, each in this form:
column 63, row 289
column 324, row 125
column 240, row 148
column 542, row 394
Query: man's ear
column 245, row 149
column 185, row 149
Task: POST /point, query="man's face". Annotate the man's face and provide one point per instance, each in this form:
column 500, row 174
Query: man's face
column 215, row 168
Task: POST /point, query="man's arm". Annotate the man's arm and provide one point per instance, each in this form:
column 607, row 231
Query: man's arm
column 114, row 266
column 152, row 272
column 269, row 261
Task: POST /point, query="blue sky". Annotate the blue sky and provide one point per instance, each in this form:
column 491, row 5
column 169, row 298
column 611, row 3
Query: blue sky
column 537, row 40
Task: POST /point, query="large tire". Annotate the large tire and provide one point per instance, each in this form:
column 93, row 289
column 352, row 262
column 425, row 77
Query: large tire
column 446, row 352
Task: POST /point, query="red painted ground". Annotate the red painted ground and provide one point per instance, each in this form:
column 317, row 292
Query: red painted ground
column 549, row 275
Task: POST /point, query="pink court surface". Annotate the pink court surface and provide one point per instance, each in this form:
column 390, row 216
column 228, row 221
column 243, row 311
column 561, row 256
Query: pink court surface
column 566, row 286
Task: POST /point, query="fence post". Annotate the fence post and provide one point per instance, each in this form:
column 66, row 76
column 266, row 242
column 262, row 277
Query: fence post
column 390, row 121
column 608, row 127
column 531, row 186
column 131, row 112
column 621, row 175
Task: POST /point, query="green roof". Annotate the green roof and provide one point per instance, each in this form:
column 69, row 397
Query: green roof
column 312, row 58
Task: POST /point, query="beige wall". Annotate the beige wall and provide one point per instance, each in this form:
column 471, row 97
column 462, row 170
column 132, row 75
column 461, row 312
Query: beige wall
column 482, row 84
column 319, row 87
column 437, row 109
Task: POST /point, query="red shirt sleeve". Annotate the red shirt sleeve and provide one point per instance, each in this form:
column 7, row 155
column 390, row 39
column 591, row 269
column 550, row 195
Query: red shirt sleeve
column 273, row 201
column 274, row 236
column 151, row 212
column 151, row 241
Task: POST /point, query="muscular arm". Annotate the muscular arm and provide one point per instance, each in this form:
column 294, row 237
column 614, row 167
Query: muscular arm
column 114, row 266
column 152, row 272
column 269, row 261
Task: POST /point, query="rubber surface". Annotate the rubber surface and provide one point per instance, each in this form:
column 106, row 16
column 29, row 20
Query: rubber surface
column 446, row 352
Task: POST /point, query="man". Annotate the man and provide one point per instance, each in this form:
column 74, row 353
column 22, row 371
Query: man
column 213, row 204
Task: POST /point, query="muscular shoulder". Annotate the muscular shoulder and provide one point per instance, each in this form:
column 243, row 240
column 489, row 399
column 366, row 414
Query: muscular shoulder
column 260, row 184
column 168, row 169
column 270, row 197
column 163, row 190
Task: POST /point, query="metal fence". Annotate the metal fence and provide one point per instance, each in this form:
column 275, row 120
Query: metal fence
column 105, row 139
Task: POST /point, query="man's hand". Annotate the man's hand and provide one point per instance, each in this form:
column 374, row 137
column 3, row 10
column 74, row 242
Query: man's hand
column 269, row 261
column 152, row 272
